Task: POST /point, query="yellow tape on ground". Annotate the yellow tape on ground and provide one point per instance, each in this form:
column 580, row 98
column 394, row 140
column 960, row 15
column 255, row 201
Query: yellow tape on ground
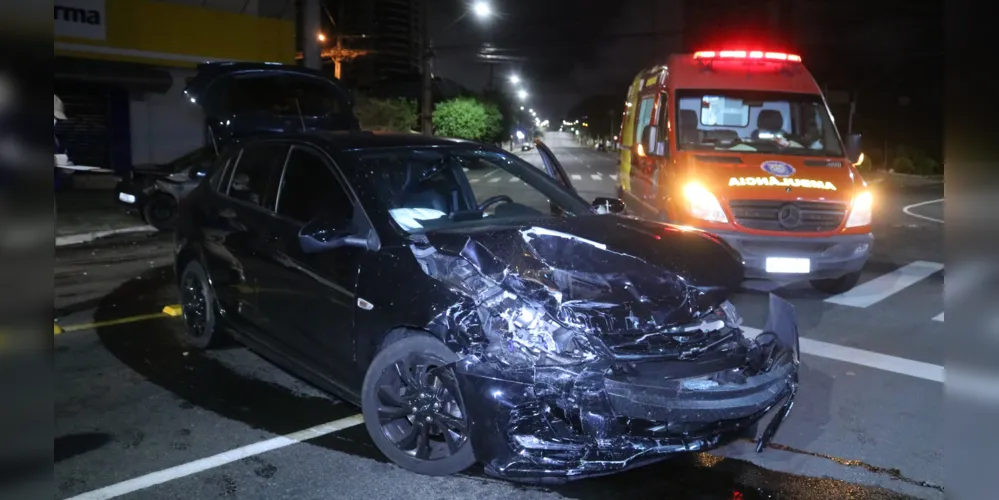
column 167, row 312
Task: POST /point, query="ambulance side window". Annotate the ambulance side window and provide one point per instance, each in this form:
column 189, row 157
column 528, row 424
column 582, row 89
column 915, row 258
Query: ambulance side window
column 642, row 119
column 662, row 138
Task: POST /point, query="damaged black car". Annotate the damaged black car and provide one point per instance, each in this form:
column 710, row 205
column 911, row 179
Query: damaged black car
column 500, row 319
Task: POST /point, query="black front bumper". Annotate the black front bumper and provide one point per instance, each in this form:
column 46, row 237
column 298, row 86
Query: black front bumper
column 554, row 424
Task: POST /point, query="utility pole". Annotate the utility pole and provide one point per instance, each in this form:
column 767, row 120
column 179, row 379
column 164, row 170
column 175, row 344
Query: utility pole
column 426, row 117
column 310, row 33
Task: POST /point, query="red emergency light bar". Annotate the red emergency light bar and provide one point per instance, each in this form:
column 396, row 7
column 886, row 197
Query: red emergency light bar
column 744, row 54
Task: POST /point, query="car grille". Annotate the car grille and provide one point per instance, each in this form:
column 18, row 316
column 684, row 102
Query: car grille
column 815, row 216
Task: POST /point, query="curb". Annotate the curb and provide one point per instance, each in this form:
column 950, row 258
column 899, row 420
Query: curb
column 76, row 239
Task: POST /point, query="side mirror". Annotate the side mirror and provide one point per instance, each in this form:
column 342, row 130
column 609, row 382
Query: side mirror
column 325, row 233
column 648, row 138
column 853, row 148
column 608, row 205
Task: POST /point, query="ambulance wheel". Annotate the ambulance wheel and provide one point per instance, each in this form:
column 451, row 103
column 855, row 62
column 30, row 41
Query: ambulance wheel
column 837, row 285
column 160, row 211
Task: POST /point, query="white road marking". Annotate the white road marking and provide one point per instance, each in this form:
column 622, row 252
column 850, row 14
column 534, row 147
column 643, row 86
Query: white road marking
column 514, row 179
column 75, row 239
column 939, row 317
column 908, row 210
column 494, row 179
column 596, row 177
column 465, row 169
column 614, row 176
column 918, row 369
column 184, row 470
column 882, row 287
column 577, row 177
column 762, row 285
column 473, row 181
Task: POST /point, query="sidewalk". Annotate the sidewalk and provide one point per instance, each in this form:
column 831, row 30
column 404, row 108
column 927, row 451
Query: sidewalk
column 84, row 215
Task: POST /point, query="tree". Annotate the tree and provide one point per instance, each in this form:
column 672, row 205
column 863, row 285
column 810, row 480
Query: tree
column 461, row 117
column 397, row 115
column 495, row 131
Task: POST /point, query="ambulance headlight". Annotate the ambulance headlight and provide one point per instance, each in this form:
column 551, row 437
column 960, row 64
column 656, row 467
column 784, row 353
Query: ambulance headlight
column 860, row 212
column 702, row 204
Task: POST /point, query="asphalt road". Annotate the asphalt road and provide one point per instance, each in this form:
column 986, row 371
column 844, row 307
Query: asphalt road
column 139, row 414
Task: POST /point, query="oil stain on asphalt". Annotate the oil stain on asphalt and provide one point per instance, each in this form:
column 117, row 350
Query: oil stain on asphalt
column 205, row 382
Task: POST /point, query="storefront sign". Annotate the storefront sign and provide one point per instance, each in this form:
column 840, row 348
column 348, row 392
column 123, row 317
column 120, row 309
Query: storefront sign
column 80, row 19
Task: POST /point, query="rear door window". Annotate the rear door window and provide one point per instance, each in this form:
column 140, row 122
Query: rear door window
column 255, row 178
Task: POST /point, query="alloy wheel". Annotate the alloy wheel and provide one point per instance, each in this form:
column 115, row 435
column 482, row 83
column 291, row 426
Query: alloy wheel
column 420, row 409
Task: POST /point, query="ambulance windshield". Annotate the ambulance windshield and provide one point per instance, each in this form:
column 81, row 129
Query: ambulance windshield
column 733, row 120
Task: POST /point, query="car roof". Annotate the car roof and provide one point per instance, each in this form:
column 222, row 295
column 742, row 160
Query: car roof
column 358, row 140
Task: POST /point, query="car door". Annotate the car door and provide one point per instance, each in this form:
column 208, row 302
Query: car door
column 234, row 229
column 643, row 156
column 309, row 298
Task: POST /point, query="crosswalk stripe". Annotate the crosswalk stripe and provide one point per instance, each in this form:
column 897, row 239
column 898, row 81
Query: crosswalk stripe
column 614, row 176
column 576, row 177
column 494, row 179
column 912, row 368
column 882, row 287
column 596, row 177
column 939, row 317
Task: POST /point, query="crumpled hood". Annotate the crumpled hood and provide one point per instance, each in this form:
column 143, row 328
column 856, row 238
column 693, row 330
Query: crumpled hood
column 603, row 274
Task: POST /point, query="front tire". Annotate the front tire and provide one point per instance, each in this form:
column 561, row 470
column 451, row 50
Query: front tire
column 160, row 211
column 413, row 408
column 837, row 285
column 200, row 308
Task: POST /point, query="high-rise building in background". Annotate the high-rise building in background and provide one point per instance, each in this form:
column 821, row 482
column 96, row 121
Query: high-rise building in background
column 392, row 29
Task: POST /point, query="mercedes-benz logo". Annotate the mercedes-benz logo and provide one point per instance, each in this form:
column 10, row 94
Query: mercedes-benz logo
column 789, row 216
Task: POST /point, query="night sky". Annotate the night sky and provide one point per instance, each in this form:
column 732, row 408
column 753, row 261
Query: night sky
column 888, row 51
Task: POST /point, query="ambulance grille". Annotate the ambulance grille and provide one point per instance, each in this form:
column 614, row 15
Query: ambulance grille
column 799, row 216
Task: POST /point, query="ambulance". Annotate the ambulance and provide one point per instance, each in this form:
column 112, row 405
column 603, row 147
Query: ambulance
column 741, row 143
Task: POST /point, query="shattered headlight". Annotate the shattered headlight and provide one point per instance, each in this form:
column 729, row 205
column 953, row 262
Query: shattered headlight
column 523, row 333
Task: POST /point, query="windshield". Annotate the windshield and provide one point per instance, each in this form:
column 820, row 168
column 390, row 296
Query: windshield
column 727, row 120
column 427, row 189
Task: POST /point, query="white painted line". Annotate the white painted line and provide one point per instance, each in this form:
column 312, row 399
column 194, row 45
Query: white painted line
column 473, row 181
column 184, row 470
column 514, row 179
column 762, row 285
column 75, row 239
column 939, row 317
column 596, row 177
column 494, row 179
column 882, row 287
column 614, row 176
column 878, row 361
column 465, row 169
column 908, row 210
column 577, row 177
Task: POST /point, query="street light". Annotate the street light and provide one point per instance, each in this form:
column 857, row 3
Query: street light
column 514, row 79
column 322, row 37
column 482, row 10
column 522, row 108
column 522, row 94
column 532, row 111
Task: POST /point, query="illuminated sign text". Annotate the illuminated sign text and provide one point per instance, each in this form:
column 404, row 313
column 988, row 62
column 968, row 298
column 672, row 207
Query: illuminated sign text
column 781, row 182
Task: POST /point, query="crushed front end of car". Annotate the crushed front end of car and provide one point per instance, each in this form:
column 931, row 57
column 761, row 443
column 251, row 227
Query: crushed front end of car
column 579, row 360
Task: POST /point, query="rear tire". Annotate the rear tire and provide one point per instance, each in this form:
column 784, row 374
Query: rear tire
column 200, row 309
column 416, row 416
column 160, row 211
column 837, row 285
